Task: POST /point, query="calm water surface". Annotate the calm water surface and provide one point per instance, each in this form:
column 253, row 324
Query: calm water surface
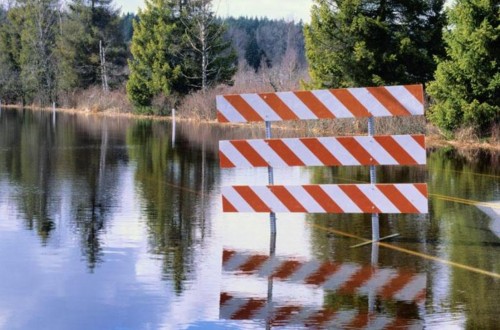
column 116, row 224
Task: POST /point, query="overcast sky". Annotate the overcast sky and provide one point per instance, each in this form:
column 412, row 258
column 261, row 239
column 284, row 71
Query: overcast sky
column 289, row 9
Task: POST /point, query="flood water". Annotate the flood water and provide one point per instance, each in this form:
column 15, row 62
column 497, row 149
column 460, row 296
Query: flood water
column 114, row 223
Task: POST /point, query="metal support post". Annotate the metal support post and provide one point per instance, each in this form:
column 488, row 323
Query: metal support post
column 373, row 180
column 270, row 173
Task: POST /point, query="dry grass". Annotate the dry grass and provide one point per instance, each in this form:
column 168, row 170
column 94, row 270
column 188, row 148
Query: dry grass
column 96, row 100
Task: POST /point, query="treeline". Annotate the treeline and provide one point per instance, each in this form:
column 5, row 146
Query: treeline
column 50, row 52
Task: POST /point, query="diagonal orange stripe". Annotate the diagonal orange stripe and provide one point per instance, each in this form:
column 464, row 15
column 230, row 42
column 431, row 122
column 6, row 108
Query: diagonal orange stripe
column 357, row 280
column 322, row 274
column 221, row 118
column 420, row 139
column 226, row 255
column 226, row 206
column 249, row 153
column 417, row 91
column 243, row 108
column 253, row 263
column 288, row 156
column 388, row 101
column 252, row 199
column 395, row 150
column 357, row 196
column 357, row 151
column 396, row 284
column 249, row 309
column 283, row 313
column 318, row 319
column 350, row 102
column 422, row 187
column 397, row 198
column 224, row 162
column 323, row 199
column 286, row 269
column 320, row 151
column 360, row 322
column 292, row 204
column 315, row 105
column 278, row 106
column 225, row 297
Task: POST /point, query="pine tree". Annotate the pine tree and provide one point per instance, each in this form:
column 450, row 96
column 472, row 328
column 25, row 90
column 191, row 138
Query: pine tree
column 156, row 63
column 212, row 59
column 90, row 31
column 373, row 42
column 466, row 89
column 11, row 23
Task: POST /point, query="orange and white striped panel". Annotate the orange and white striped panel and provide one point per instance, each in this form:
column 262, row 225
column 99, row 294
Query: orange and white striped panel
column 387, row 101
column 298, row 316
column 345, row 278
column 328, row 198
column 324, row 151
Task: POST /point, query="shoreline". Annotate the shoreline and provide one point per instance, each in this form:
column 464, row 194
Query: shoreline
column 431, row 141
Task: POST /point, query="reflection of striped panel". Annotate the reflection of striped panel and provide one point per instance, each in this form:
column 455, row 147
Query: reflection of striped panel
column 322, row 104
column 328, row 198
column 298, row 316
column 345, row 278
column 324, row 151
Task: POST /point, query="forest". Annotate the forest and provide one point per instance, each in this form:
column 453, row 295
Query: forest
column 86, row 54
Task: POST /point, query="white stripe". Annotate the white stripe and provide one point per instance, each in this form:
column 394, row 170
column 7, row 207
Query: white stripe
column 342, row 318
column 305, row 199
column 341, row 276
column 380, row 322
column 235, row 262
column 377, row 281
column 369, row 102
column 407, row 99
column 414, row 196
column 412, row 147
column 236, row 200
column 338, row 151
column 332, row 103
column 270, row 199
column 269, row 267
column 412, row 289
column 230, row 308
column 376, row 151
column 302, row 152
column 296, row 105
column 378, row 198
column 266, row 152
column 305, row 271
column 228, row 110
column 342, row 200
column 261, row 107
column 229, row 150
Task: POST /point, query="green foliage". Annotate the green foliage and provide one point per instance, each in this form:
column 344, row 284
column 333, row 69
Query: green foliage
column 10, row 45
column 155, row 65
column 176, row 48
column 466, row 89
column 86, row 24
column 365, row 42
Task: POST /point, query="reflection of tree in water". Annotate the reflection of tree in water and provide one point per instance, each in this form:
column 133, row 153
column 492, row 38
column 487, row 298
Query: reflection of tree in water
column 29, row 158
column 95, row 165
column 172, row 182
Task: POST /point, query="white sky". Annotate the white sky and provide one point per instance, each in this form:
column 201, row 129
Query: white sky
column 289, row 9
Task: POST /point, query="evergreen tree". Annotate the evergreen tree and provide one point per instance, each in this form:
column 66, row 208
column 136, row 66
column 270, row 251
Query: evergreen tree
column 11, row 23
column 37, row 58
column 466, row 89
column 91, row 45
column 211, row 59
column 373, row 42
column 156, row 48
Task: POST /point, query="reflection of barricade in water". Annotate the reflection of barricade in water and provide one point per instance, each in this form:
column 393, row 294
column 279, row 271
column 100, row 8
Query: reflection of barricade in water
column 299, row 316
column 379, row 297
column 343, row 278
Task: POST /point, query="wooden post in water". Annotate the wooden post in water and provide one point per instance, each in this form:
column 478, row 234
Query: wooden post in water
column 173, row 127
